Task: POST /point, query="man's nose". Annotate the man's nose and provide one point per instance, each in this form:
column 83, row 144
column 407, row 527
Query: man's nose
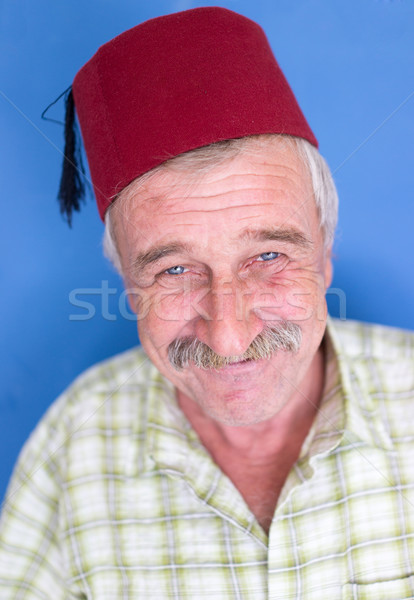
column 228, row 324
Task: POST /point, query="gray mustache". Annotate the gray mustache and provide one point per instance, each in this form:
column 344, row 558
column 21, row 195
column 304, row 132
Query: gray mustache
column 285, row 336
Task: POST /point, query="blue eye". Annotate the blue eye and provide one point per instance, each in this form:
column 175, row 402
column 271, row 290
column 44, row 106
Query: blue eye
column 177, row 270
column 269, row 256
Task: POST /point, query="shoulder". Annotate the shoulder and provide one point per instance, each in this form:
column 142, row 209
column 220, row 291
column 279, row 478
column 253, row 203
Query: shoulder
column 357, row 339
column 377, row 366
column 106, row 406
column 109, row 398
column 130, row 373
column 130, row 367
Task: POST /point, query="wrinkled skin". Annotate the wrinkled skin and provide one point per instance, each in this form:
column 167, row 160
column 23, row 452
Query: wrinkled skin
column 220, row 255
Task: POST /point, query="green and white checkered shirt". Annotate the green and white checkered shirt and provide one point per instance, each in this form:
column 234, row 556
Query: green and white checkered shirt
column 114, row 497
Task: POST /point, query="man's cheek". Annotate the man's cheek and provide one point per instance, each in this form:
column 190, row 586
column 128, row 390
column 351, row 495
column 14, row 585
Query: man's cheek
column 282, row 301
column 294, row 304
column 301, row 305
column 305, row 305
column 176, row 306
column 267, row 305
column 304, row 298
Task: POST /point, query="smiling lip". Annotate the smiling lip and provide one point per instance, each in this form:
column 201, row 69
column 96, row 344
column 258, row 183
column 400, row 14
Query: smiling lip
column 237, row 368
column 239, row 363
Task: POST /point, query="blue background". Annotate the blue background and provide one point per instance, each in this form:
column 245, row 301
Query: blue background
column 351, row 65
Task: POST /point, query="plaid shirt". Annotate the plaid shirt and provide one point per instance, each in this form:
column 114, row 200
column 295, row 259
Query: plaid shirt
column 114, row 497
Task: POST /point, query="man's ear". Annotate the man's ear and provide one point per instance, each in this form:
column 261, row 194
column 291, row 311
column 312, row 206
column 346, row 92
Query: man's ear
column 133, row 296
column 328, row 274
column 132, row 303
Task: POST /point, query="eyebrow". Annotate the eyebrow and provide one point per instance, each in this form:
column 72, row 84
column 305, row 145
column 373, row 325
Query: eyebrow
column 289, row 236
column 156, row 253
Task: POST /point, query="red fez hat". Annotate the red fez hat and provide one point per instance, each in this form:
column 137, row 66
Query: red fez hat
column 176, row 83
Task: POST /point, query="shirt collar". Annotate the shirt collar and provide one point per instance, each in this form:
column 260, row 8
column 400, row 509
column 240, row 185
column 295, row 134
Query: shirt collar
column 348, row 414
column 173, row 448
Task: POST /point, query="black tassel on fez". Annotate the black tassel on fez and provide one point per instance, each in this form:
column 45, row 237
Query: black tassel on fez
column 72, row 187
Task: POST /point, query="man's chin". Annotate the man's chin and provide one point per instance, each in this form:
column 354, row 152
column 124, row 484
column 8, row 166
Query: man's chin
column 240, row 394
column 240, row 409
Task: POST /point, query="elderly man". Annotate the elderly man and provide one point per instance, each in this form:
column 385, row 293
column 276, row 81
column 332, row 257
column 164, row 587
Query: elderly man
column 249, row 450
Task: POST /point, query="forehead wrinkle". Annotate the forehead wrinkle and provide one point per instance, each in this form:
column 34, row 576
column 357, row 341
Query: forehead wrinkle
column 194, row 178
column 167, row 193
column 272, row 173
column 271, row 166
column 222, row 209
column 178, row 193
column 166, row 190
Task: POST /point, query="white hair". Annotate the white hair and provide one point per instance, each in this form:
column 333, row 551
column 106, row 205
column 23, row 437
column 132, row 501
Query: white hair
column 207, row 157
